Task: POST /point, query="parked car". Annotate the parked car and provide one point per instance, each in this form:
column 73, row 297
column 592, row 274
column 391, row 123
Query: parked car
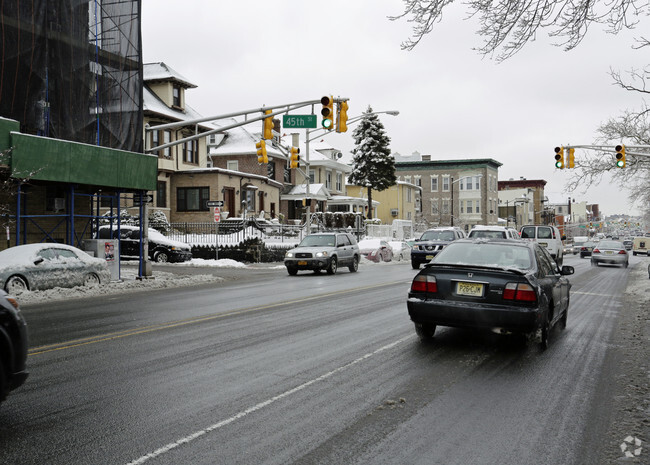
column 161, row 249
column 587, row 247
column 547, row 236
column 13, row 341
column 431, row 242
column 503, row 285
column 401, row 249
column 323, row 251
column 375, row 250
column 640, row 245
column 34, row 267
column 612, row 252
column 493, row 232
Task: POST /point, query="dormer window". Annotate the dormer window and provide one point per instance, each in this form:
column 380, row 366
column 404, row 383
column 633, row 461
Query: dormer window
column 176, row 96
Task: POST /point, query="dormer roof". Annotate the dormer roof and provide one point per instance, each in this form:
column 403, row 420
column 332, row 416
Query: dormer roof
column 153, row 72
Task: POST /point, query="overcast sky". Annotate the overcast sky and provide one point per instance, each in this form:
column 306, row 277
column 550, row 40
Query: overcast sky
column 453, row 102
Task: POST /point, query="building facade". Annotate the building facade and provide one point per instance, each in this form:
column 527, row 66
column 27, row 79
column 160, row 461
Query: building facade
column 459, row 193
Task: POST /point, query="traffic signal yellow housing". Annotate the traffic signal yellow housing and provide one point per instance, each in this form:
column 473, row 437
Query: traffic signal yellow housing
column 559, row 157
column 262, row 157
column 342, row 117
column 267, row 128
column 620, row 156
column 571, row 161
column 295, row 157
column 328, row 112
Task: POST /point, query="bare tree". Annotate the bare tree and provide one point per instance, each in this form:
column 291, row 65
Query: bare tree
column 508, row 26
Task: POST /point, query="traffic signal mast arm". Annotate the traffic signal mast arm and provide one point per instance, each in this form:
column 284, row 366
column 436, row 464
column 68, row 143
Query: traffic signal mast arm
column 282, row 109
column 629, row 149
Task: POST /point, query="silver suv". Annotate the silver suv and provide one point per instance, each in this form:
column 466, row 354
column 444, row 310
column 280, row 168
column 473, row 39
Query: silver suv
column 323, row 251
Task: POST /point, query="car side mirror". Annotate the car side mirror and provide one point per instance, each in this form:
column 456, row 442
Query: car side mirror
column 567, row 270
column 39, row 260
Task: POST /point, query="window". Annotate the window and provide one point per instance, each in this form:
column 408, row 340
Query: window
column 434, row 207
column 155, row 141
column 192, row 199
column 312, row 176
column 469, row 206
column 434, row 183
column 478, row 209
column 462, row 206
column 161, row 194
column 407, row 179
column 232, row 165
column 190, row 152
column 328, row 179
column 250, row 200
column 445, row 206
column 409, row 198
column 477, row 183
column 418, row 181
column 167, row 138
column 270, row 169
column 445, row 183
column 339, row 182
column 176, row 96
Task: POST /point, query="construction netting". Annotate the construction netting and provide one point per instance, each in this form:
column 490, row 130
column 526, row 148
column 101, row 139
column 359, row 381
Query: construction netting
column 72, row 70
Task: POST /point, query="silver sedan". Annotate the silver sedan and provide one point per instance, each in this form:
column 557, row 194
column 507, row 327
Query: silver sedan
column 34, row 267
column 612, row 252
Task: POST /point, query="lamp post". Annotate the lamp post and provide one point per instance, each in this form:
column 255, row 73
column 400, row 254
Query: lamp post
column 451, row 187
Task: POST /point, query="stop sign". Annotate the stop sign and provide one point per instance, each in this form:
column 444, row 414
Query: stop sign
column 217, row 214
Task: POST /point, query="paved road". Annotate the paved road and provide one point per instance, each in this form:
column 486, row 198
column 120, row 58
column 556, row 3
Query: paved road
column 324, row 369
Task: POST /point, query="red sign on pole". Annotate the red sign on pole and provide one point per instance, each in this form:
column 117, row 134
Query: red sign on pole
column 217, row 214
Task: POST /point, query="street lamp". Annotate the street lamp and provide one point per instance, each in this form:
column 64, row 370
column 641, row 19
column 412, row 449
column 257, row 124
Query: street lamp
column 451, row 187
column 354, row 119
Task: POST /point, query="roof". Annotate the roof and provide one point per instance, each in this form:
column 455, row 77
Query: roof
column 446, row 164
column 161, row 72
column 239, row 141
column 153, row 104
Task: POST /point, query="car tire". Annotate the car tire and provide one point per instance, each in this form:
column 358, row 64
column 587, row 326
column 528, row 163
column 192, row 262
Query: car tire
column 161, row 257
column 415, row 265
column 332, row 267
column 292, row 271
column 16, row 285
column 425, row 332
column 91, row 280
column 355, row 265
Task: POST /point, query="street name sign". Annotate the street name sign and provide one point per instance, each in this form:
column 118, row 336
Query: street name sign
column 299, row 121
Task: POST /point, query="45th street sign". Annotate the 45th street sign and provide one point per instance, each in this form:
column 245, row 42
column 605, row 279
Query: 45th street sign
column 299, row 121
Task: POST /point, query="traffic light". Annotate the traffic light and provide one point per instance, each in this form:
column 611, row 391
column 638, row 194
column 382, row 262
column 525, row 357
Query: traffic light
column 620, row 156
column 267, row 128
column 571, row 160
column 342, row 117
column 327, row 112
column 295, row 158
column 559, row 157
column 262, row 157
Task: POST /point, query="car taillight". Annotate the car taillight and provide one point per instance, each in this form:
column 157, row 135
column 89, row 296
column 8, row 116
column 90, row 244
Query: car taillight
column 595, row 251
column 622, row 252
column 519, row 291
column 424, row 283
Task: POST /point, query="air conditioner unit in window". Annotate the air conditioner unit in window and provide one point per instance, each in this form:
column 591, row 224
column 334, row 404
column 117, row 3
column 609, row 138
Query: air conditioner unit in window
column 59, row 204
column 394, row 212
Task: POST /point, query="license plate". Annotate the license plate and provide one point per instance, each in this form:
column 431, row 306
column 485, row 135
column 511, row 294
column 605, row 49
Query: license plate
column 429, row 257
column 471, row 289
column 609, row 252
column 302, row 263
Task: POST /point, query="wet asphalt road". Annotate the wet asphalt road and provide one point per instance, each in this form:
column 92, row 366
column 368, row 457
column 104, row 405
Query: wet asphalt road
column 313, row 369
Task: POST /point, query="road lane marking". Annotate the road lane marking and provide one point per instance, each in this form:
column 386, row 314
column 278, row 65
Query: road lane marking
column 174, row 324
column 187, row 439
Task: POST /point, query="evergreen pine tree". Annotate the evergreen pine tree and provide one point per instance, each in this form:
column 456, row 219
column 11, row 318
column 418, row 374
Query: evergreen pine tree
column 372, row 164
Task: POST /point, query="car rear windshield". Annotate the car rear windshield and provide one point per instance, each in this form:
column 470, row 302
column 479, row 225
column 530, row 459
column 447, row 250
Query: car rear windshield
column 485, row 254
column 487, row 234
column 437, row 236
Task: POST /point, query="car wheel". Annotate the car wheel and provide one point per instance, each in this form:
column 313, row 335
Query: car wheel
column 414, row 265
column 331, row 269
column 424, row 331
column 292, row 271
column 545, row 330
column 91, row 280
column 161, row 257
column 16, row 285
column 355, row 264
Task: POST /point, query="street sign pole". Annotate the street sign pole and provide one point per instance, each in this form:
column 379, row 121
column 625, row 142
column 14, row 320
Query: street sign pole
column 217, row 219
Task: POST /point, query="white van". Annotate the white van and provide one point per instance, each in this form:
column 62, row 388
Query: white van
column 640, row 245
column 578, row 241
column 547, row 236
